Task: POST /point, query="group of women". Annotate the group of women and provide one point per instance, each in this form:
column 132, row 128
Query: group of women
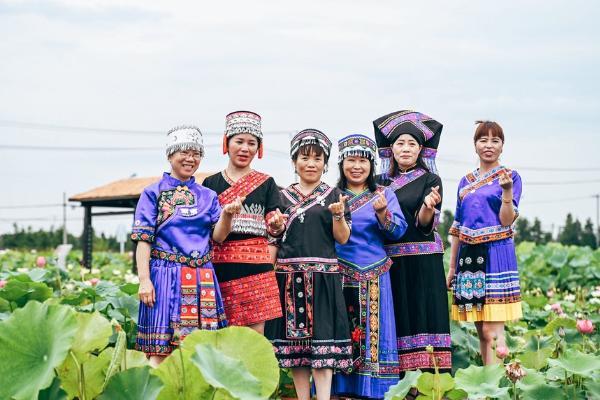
column 346, row 279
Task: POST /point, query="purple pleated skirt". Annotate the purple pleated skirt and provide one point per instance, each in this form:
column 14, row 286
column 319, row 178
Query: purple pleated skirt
column 184, row 302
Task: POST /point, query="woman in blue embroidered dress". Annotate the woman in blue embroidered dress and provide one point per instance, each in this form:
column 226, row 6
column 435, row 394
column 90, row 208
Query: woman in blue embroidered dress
column 376, row 216
column 175, row 219
column 483, row 264
column 407, row 142
column 313, row 336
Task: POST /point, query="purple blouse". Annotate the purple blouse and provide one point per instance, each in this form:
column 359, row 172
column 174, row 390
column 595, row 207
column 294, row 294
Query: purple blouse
column 363, row 257
column 176, row 217
column 477, row 217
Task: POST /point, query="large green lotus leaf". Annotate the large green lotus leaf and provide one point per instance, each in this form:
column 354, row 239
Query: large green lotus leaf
column 227, row 373
column 245, row 344
column 593, row 389
column 543, row 391
column 93, row 371
column 53, row 392
column 127, row 305
column 559, row 322
column 171, row 374
column 33, row 341
column 133, row 384
column 559, row 258
column 93, row 332
column 532, row 379
column 536, row 359
column 129, row 288
column 429, row 383
column 456, row 394
column 481, row 382
column 577, row 362
column 401, row 389
column 133, row 359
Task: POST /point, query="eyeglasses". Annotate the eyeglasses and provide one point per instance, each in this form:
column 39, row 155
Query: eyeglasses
column 193, row 154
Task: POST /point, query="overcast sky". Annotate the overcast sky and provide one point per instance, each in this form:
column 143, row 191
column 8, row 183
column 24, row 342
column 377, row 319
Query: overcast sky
column 134, row 69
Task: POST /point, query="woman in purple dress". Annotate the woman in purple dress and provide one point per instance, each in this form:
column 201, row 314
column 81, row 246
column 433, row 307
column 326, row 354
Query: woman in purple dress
column 175, row 220
column 376, row 216
column 483, row 264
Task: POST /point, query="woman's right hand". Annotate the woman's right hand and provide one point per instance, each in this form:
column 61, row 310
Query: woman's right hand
column 450, row 278
column 146, row 292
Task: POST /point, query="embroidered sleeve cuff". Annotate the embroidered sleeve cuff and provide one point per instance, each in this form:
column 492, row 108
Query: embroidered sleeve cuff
column 388, row 224
column 454, row 229
column 142, row 237
column 432, row 225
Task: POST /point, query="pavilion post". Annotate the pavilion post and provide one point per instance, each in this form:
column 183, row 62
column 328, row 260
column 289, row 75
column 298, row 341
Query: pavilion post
column 87, row 237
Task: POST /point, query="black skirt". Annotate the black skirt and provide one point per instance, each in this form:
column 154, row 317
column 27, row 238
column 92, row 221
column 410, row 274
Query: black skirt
column 314, row 330
column 421, row 311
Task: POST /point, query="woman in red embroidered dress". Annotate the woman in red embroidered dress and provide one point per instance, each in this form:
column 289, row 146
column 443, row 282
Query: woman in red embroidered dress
column 243, row 262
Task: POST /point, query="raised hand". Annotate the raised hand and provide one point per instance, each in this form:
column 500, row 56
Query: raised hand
column 276, row 221
column 433, row 198
column 380, row 203
column 337, row 209
column 505, row 179
column 234, row 207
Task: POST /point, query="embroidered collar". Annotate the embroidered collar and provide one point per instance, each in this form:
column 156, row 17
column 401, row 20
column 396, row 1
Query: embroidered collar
column 404, row 179
column 230, row 181
column 174, row 182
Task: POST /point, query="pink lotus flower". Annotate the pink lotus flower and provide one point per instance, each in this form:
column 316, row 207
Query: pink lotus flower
column 585, row 326
column 40, row 262
column 556, row 308
column 94, row 281
column 502, row 352
column 2, row 283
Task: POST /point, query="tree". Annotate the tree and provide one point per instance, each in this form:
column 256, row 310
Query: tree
column 571, row 232
column 523, row 230
column 444, row 226
column 588, row 237
column 537, row 235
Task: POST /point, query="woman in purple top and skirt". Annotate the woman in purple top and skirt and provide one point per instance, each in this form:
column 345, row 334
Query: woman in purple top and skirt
column 376, row 216
column 483, row 264
column 175, row 220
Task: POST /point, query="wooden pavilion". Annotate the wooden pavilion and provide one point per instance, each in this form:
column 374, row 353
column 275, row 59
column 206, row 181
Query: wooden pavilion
column 123, row 194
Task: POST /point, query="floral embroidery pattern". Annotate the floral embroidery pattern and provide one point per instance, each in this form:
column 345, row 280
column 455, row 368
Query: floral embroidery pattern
column 170, row 199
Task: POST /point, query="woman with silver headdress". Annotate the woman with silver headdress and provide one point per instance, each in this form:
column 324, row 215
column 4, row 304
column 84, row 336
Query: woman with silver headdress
column 243, row 262
column 175, row 219
column 408, row 142
column 313, row 336
column 376, row 217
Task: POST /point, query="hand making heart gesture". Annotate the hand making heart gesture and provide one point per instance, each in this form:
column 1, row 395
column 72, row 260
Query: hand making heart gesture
column 234, row 207
column 337, row 209
column 433, row 198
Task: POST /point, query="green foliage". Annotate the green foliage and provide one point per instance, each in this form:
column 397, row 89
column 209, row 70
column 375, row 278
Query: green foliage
column 481, row 382
column 227, row 373
column 33, row 341
column 401, row 389
column 133, row 384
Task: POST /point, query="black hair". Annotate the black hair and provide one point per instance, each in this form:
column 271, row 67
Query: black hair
column 308, row 149
column 371, row 181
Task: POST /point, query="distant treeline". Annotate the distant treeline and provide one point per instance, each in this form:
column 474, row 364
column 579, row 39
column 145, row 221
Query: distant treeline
column 26, row 238
column 573, row 232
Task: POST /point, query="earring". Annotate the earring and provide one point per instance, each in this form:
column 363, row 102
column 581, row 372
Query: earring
column 325, row 169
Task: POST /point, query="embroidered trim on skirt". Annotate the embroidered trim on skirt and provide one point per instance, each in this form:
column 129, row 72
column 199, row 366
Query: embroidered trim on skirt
column 375, row 364
column 186, row 299
column 314, row 330
column 251, row 299
column 502, row 287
